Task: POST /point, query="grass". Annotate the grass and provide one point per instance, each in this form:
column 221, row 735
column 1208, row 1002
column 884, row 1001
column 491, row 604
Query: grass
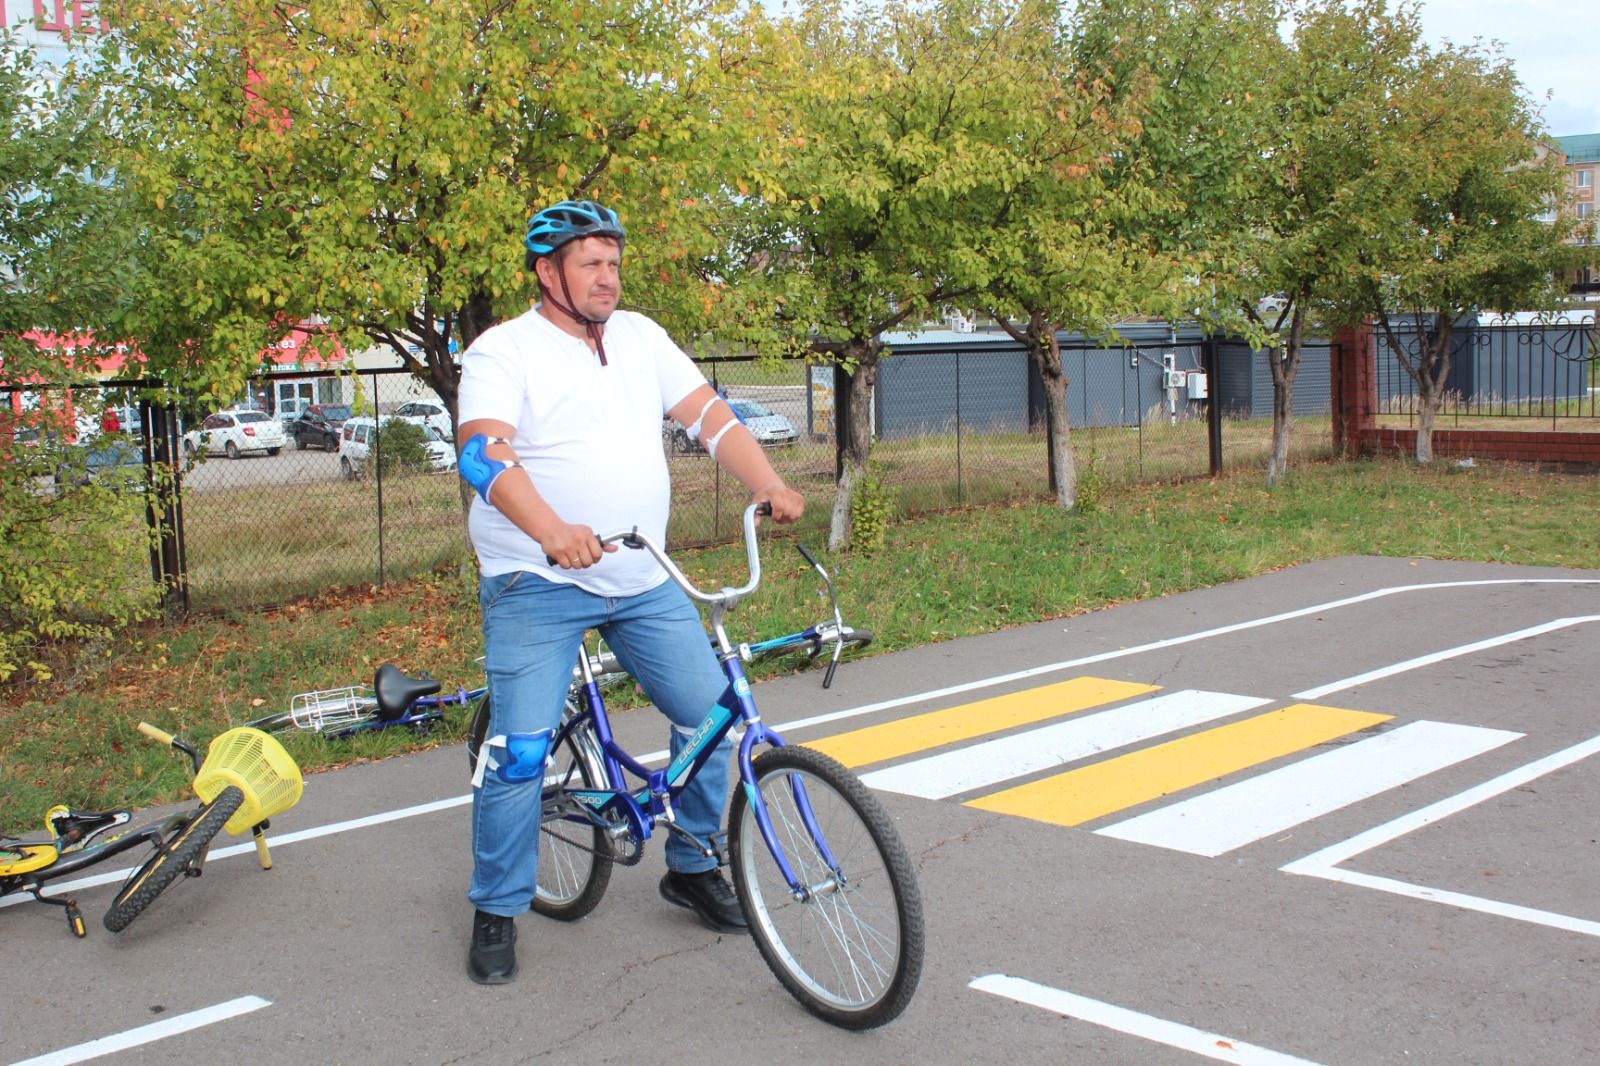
column 940, row 577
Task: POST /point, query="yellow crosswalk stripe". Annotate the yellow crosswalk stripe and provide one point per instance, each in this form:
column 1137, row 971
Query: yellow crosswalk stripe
column 1093, row 791
column 936, row 728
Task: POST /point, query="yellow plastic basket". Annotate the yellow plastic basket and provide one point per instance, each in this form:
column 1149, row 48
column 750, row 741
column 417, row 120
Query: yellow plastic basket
column 259, row 766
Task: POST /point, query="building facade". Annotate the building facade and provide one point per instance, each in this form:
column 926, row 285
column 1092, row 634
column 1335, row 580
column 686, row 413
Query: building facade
column 1582, row 153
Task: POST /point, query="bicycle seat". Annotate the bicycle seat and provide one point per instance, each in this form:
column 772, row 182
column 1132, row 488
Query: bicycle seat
column 396, row 691
column 71, row 827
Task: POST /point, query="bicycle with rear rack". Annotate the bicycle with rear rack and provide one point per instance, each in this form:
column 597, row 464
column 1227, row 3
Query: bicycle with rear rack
column 819, row 869
column 396, row 699
column 245, row 778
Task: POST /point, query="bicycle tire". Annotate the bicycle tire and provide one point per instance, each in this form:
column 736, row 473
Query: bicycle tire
column 854, row 639
column 852, row 956
column 176, row 856
column 574, row 854
column 574, row 868
column 477, row 731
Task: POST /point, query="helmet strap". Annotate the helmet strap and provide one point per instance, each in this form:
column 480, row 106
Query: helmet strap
column 590, row 327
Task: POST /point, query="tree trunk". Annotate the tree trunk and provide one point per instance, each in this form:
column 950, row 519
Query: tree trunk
column 1433, row 367
column 1284, row 368
column 1047, row 358
column 1039, row 338
column 857, row 445
column 1425, row 412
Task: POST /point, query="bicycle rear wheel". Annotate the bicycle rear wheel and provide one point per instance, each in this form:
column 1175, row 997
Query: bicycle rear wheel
column 851, row 952
column 574, row 855
column 176, row 856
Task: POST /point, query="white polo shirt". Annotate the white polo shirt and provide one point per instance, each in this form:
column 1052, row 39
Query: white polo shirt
column 588, row 435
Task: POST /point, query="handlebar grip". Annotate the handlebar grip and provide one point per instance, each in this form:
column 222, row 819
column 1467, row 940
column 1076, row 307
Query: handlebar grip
column 159, row 735
column 806, row 554
column 550, row 560
column 764, row 508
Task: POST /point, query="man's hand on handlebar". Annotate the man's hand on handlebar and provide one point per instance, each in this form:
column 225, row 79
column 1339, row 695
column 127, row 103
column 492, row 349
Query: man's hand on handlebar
column 787, row 505
column 573, row 547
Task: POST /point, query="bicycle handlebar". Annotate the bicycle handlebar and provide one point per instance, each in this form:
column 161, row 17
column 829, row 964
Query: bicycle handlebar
column 725, row 597
column 160, row 736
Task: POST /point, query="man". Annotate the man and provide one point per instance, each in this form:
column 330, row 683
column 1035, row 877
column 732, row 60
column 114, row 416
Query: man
column 561, row 414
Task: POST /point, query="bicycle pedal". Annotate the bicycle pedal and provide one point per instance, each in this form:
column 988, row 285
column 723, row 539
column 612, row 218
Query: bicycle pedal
column 75, row 921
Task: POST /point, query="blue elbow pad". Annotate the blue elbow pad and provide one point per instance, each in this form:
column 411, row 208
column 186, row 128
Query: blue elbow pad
column 478, row 469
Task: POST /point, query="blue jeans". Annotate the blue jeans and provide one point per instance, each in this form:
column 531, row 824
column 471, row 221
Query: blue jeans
column 532, row 630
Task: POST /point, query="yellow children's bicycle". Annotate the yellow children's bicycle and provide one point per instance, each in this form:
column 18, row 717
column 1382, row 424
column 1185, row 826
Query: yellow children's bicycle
column 245, row 779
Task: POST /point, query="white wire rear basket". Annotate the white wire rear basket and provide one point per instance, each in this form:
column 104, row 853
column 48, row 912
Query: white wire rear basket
column 333, row 708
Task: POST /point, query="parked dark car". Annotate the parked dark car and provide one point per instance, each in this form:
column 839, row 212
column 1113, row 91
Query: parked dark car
column 318, row 425
column 112, row 459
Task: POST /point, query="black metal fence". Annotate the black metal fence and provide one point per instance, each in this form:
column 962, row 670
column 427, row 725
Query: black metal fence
column 958, row 421
column 1545, row 369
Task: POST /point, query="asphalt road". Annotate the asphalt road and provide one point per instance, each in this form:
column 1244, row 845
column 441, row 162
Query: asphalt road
column 1343, row 813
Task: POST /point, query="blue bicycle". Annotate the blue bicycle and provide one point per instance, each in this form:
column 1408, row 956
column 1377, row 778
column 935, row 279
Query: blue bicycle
column 397, row 699
column 819, row 869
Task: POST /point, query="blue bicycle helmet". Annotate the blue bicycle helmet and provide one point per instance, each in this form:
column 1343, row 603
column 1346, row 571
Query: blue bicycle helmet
column 570, row 219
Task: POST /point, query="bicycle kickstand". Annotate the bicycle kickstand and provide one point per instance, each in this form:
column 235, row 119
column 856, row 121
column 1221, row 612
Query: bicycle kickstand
column 259, row 832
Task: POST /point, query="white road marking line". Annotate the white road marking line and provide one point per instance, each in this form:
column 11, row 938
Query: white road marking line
column 979, row 765
column 1324, row 863
column 1240, row 814
column 146, row 1034
column 1170, row 642
column 853, row 712
column 1123, row 1020
column 1440, row 656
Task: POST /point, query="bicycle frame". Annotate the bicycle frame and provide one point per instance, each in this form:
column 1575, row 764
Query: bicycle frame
column 644, row 808
column 70, row 860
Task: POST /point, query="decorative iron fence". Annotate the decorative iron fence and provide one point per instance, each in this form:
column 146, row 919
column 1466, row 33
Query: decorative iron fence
column 1544, row 368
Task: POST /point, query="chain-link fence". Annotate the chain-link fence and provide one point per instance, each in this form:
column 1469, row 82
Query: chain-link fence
column 959, row 420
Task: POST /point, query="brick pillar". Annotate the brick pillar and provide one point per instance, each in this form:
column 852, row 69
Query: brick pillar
column 1354, row 389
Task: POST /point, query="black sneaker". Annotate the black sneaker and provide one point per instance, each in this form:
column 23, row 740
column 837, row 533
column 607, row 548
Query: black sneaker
column 492, row 959
column 709, row 896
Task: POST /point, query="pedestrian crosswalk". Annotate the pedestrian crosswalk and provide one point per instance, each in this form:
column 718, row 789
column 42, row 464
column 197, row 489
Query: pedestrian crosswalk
column 1082, row 751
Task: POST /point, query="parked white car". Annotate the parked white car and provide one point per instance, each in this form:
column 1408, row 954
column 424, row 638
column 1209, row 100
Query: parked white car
column 429, row 415
column 232, row 433
column 767, row 426
column 356, row 440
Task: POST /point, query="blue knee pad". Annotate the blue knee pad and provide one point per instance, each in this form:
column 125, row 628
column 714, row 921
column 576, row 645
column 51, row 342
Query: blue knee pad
column 514, row 759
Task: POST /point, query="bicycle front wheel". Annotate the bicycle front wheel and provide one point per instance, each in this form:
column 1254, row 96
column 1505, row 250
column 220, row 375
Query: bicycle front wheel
column 851, row 950
column 177, row 855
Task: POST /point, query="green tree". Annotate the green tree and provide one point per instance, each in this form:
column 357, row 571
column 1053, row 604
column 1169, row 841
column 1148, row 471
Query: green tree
column 70, row 555
column 1315, row 193
column 371, row 168
column 1466, row 184
column 1132, row 127
column 868, row 213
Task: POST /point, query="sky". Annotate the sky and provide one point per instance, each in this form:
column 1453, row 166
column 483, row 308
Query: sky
column 1550, row 42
